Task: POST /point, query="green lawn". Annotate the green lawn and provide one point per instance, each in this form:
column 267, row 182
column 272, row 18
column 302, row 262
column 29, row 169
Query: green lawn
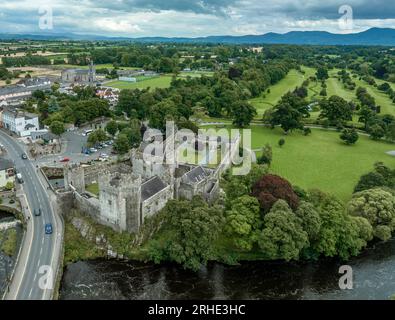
column 289, row 83
column 321, row 160
column 93, row 188
column 159, row 82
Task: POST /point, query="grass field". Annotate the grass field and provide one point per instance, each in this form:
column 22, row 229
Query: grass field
column 289, row 83
column 321, row 160
column 336, row 87
column 159, row 82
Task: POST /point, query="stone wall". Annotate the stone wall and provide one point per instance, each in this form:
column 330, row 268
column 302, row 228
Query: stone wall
column 156, row 203
column 89, row 206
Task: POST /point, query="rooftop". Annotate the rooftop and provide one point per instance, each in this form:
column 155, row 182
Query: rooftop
column 5, row 164
column 196, row 175
column 152, row 187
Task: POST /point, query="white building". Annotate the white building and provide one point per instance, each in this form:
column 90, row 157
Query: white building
column 19, row 122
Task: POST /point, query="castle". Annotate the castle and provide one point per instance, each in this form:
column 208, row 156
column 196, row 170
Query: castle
column 130, row 193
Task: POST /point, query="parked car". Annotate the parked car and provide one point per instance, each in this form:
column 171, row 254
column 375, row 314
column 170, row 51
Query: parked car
column 48, row 228
column 93, row 150
column 65, row 159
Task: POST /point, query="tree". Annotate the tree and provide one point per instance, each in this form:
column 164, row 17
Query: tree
column 376, row 132
column 281, row 142
column 57, row 128
column 349, row 136
column 194, row 227
column 336, row 110
column 339, row 235
column 378, row 207
column 310, row 219
column 243, row 113
column 322, row 74
column 162, row 112
column 121, row 144
column 289, row 112
column 370, row 181
column 307, row 131
column 282, row 236
column 112, row 127
column 366, row 114
column 243, row 222
column 96, row 137
column 270, row 188
column 267, row 155
column 133, row 132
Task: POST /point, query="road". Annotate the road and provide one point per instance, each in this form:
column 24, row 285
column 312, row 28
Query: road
column 39, row 249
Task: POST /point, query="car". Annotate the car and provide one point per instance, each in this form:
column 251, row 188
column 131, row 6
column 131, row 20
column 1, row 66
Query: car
column 104, row 155
column 48, row 228
column 65, row 159
column 24, row 156
column 93, row 150
column 37, row 213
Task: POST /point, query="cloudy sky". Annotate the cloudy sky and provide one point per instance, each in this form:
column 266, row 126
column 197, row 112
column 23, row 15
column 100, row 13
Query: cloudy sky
column 192, row 18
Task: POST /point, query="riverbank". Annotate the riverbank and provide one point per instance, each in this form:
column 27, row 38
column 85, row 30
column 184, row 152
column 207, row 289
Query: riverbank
column 118, row 280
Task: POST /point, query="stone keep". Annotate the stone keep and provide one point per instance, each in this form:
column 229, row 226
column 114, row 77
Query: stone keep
column 120, row 201
column 74, row 177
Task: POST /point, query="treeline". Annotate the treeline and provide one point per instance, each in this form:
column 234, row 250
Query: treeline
column 223, row 95
column 28, row 60
column 264, row 217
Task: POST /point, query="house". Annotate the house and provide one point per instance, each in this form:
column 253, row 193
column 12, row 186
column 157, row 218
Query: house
column 44, row 135
column 24, row 89
column 19, row 122
column 7, row 172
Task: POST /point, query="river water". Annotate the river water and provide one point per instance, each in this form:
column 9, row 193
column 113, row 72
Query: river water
column 374, row 278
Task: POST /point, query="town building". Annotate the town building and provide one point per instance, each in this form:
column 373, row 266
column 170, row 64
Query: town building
column 24, row 89
column 19, row 122
column 7, row 172
column 79, row 76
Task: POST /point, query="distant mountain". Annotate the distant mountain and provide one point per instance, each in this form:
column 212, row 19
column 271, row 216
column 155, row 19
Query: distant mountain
column 374, row 36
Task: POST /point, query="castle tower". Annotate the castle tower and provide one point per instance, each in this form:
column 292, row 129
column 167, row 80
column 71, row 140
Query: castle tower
column 74, row 178
column 120, row 201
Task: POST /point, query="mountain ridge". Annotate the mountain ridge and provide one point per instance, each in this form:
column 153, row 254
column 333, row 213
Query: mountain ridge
column 372, row 37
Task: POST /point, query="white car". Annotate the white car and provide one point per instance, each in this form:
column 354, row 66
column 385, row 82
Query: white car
column 93, row 150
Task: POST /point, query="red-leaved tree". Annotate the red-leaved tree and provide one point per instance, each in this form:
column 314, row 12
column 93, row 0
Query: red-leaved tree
column 271, row 188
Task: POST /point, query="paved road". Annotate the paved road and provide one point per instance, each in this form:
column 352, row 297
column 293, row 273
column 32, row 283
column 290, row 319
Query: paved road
column 39, row 249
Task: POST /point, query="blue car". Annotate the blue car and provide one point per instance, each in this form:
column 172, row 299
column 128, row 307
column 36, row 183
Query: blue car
column 48, row 228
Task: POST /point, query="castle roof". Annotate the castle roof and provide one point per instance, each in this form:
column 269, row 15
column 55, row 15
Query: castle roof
column 196, row 175
column 152, row 187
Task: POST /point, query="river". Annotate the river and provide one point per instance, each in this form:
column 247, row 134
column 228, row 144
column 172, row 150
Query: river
column 374, row 278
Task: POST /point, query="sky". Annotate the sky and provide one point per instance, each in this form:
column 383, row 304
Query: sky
column 192, row 18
